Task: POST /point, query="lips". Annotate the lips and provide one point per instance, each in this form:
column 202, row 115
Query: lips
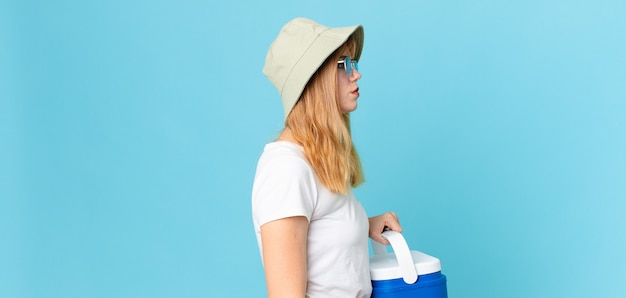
column 356, row 90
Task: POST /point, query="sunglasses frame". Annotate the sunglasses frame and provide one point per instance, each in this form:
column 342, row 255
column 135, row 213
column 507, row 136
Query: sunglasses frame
column 348, row 64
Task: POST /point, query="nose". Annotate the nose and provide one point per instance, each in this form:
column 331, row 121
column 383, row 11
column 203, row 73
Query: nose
column 356, row 75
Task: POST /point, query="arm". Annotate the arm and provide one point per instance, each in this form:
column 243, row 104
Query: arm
column 378, row 224
column 284, row 256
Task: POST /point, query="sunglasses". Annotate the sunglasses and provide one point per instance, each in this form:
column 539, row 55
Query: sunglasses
column 348, row 64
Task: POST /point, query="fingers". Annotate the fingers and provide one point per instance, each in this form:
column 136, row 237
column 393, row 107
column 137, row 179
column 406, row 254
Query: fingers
column 392, row 222
column 377, row 231
column 381, row 240
column 378, row 224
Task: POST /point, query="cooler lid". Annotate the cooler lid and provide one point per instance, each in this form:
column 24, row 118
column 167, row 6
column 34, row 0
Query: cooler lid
column 385, row 266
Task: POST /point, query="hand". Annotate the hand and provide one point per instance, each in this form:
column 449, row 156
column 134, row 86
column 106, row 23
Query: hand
column 378, row 224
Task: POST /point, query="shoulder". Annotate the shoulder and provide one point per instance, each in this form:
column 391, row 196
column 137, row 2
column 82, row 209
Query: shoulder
column 283, row 163
column 283, row 156
column 284, row 184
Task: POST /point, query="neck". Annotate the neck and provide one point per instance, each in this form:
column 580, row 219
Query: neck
column 287, row 135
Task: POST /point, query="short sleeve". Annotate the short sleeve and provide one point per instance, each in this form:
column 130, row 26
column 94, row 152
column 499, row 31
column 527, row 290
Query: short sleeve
column 284, row 186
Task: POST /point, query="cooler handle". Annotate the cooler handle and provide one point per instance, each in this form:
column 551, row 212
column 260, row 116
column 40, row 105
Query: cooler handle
column 403, row 255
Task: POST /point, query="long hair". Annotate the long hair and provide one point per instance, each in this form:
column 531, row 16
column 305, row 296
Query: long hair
column 323, row 129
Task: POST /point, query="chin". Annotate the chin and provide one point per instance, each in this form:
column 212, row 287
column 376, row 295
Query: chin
column 349, row 105
column 349, row 109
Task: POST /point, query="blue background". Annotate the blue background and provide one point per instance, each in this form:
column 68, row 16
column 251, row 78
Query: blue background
column 130, row 132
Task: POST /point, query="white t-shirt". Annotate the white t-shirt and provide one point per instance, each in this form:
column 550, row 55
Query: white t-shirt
column 337, row 252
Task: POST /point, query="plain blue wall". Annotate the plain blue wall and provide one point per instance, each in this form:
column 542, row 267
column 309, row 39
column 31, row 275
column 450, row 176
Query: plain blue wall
column 130, row 132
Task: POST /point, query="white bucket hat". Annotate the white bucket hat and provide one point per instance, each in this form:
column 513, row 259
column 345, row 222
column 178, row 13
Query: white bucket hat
column 300, row 48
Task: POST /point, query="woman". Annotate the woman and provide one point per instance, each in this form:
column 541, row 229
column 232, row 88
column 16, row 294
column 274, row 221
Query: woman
column 311, row 230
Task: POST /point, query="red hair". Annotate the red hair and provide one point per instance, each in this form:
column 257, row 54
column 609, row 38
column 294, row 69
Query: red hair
column 323, row 129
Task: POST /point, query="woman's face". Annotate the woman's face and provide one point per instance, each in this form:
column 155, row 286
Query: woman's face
column 347, row 76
